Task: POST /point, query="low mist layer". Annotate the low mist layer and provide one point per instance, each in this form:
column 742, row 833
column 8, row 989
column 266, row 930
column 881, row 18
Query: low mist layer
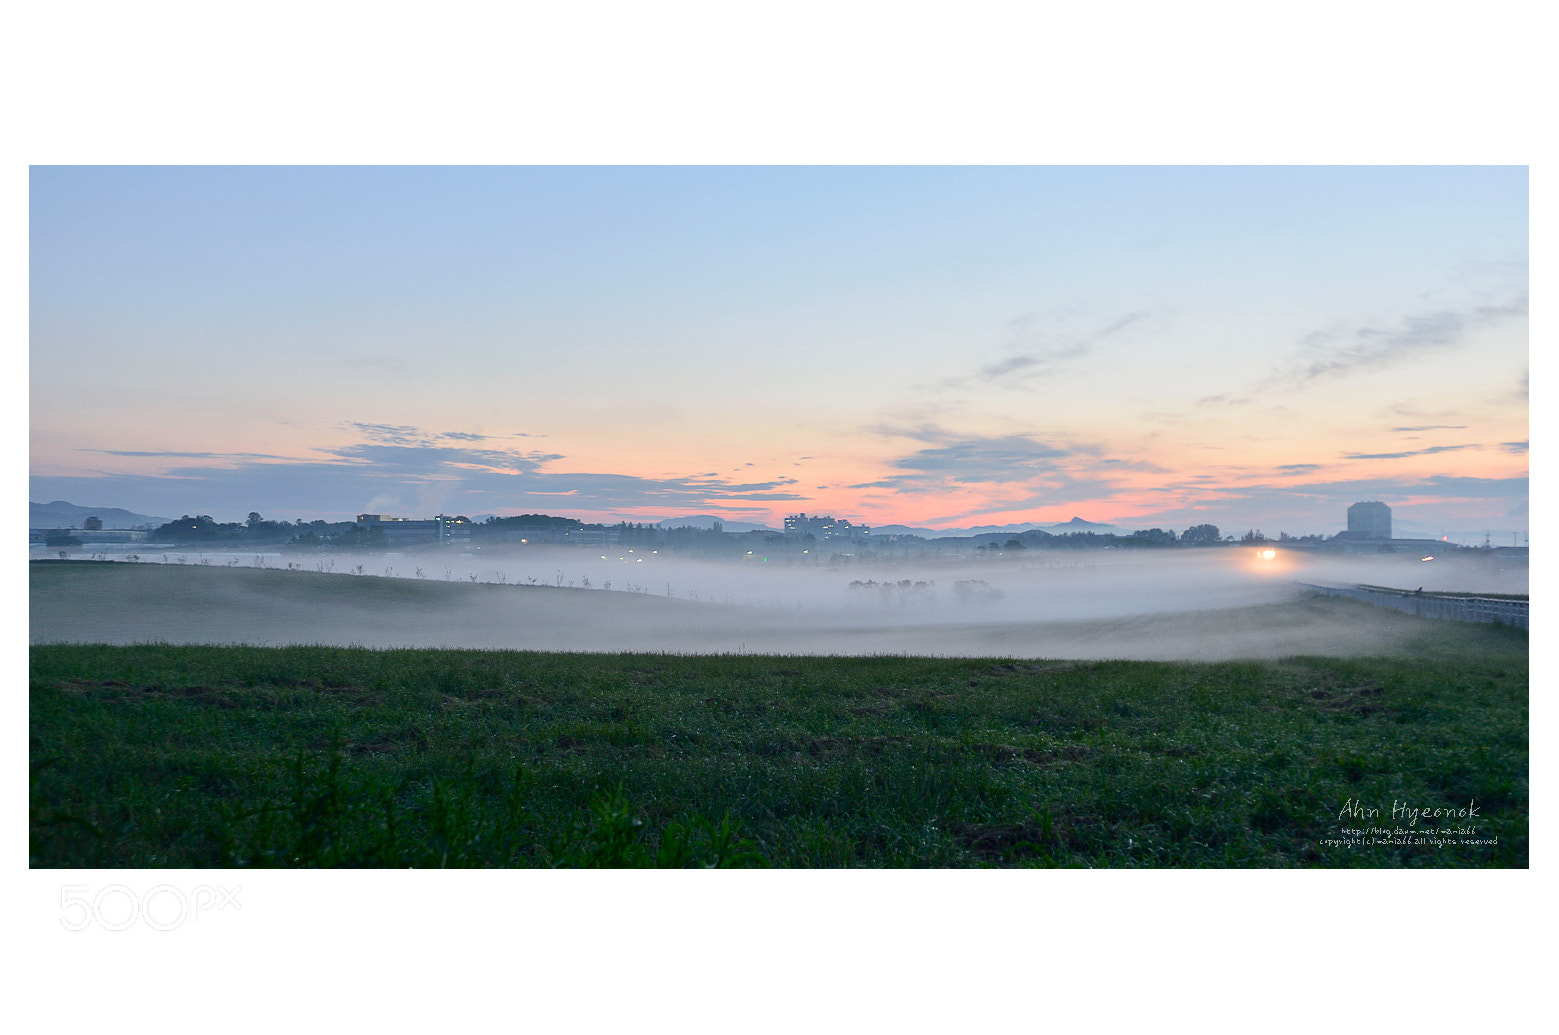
column 1188, row 605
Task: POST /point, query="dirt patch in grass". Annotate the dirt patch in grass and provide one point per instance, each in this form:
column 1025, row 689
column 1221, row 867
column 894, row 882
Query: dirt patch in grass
column 1038, row 668
column 877, row 745
column 1008, row 754
column 90, row 686
column 1366, row 699
column 893, row 693
column 1009, row 842
column 864, row 710
column 379, row 743
column 118, row 691
column 822, row 747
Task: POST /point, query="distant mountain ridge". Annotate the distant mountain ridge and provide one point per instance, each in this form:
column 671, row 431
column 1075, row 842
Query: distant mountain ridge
column 60, row 514
column 1076, row 524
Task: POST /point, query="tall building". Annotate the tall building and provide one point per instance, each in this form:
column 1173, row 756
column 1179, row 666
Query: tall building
column 1369, row 521
column 1369, row 534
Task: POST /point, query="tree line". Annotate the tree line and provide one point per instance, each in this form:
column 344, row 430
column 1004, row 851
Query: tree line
column 202, row 528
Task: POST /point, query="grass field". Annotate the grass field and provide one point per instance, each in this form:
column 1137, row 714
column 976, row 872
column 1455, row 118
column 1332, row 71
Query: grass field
column 155, row 755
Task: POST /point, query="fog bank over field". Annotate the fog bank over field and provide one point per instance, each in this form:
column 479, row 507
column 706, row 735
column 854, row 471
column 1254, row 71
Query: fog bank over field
column 1172, row 604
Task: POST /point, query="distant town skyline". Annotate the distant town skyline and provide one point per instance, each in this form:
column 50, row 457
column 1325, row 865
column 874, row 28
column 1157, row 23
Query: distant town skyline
column 941, row 347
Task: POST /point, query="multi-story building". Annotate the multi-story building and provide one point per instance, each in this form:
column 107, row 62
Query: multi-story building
column 591, row 536
column 406, row 531
column 823, row 527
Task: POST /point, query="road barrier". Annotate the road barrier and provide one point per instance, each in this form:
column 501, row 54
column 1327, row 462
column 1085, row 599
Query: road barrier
column 1434, row 605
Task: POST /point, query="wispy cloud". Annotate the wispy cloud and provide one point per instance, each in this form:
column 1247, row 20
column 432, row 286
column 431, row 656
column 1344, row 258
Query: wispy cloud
column 1369, row 348
column 431, row 459
column 1435, row 487
column 984, row 459
column 1012, row 472
column 405, row 435
column 1328, row 354
column 921, row 431
column 1398, row 456
column 396, row 434
column 170, row 454
column 1030, row 363
column 1039, row 359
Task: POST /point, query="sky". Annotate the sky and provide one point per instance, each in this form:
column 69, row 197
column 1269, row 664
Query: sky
column 936, row 346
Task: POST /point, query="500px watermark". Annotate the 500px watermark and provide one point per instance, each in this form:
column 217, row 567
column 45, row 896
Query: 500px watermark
column 162, row 908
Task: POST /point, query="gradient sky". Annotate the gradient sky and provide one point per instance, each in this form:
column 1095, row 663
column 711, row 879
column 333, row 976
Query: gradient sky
column 1251, row 347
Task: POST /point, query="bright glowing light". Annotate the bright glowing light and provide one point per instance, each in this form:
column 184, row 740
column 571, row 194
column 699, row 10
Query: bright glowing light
column 1426, row 558
column 1266, row 555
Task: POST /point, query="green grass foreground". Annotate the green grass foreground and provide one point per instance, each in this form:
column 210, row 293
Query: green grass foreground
column 164, row 756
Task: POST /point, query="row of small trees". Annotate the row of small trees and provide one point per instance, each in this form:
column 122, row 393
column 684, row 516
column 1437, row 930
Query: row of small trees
column 256, row 529
column 1196, row 535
